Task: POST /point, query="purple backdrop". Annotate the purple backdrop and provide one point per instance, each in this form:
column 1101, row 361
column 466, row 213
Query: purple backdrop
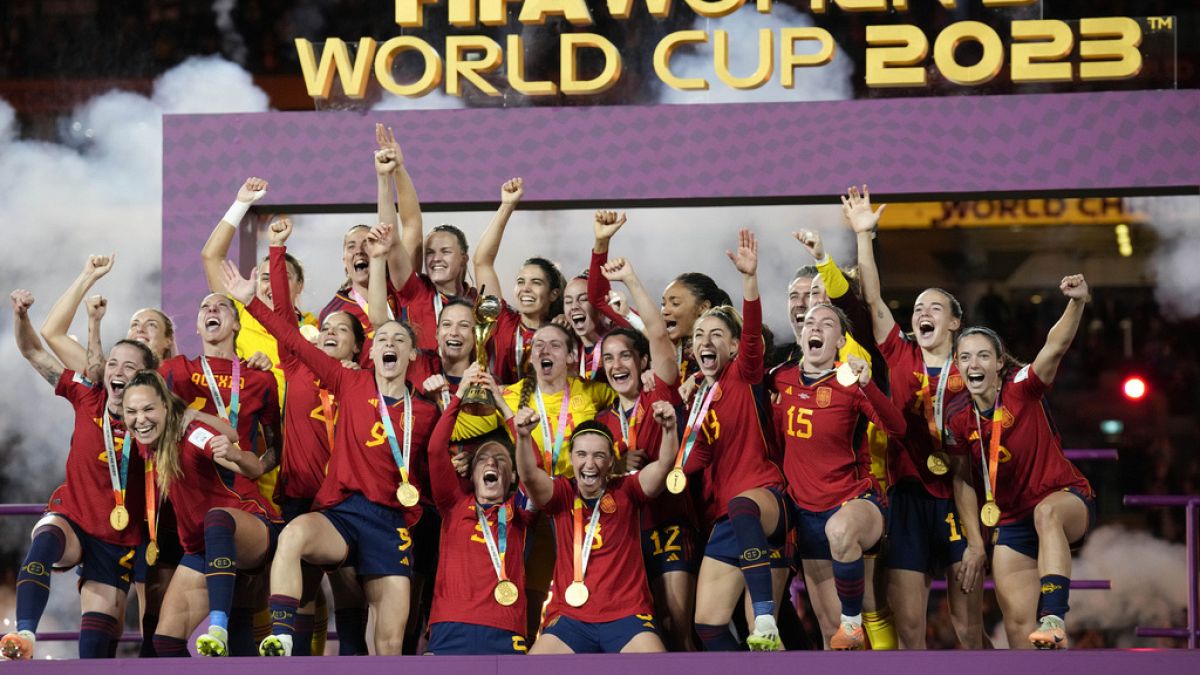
column 1093, row 662
column 938, row 147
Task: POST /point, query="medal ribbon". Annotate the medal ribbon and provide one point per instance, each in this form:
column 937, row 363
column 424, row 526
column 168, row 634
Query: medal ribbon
column 551, row 445
column 151, row 502
column 629, row 424
column 695, row 419
column 437, row 306
column 400, row 457
column 119, row 475
column 991, row 459
column 362, row 303
column 583, row 542
column 584, row 372
column 494, row 551
column 934, row 406
column 327, row 412
column 234, row 391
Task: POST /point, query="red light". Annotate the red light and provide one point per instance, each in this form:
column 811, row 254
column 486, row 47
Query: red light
column 1134, row 388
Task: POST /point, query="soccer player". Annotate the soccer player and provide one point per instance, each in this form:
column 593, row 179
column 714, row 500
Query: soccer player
column 925, row 534
column 587, row 323
column 538, row 292
column 743, row 488
column 92, row 519
column 836, row 498
column 477, row 608
column 601, row 602
column 225, row 525
column 369, row 499
column 1035, row 500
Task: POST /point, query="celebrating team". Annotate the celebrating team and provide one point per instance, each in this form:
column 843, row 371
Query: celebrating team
column 602, row 478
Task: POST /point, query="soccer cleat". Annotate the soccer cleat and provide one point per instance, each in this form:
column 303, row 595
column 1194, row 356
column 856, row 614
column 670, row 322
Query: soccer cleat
column 17, row 646
column 1051, row 634
column 213, row 643
column 765, row 636
column 276, row 645
column 849, row 637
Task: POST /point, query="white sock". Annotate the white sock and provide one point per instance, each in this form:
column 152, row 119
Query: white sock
column 855, row 620
column 765, row 624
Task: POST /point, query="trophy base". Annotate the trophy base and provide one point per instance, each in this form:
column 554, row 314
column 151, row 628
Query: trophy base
column 479, row 403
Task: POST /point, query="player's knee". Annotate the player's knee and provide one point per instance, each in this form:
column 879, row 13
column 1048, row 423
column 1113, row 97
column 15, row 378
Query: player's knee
column 1046, row 518
column 291, row 542
column 841, row 537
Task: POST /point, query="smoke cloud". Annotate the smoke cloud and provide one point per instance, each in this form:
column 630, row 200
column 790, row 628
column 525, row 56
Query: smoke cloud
column 1176, row 220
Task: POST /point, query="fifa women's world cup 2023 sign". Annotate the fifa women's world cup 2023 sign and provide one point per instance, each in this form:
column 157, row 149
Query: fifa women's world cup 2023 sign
column 898, row 55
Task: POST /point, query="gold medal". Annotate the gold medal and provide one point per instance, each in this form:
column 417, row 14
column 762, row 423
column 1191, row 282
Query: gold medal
column 846, row 376
column 407, row 494
column 990, row 514
column 938, row 463
column 119, row 518
column 577, row 594
column 151, row 553
column 676, row 481
column 506, row 593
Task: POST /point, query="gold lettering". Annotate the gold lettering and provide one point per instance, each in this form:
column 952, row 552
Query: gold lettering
column 662, row 60
column 789, row 60
column 1038, row 50
column 458, row 65
column 715, row 9
column 318, row 79
column 431, row 75
column 571, row 85
column 534, row 12
column 955, row 34
column 516, row 71
column 623, row 9
column 493, row 12
column 894, row 56
column 1115, row 55
column 766, row 58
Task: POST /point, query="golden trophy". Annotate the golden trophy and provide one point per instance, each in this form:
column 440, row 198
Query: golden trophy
column 479, row 400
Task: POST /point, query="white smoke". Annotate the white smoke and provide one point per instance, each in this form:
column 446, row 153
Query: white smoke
column 1176, row 220
column 232, row 42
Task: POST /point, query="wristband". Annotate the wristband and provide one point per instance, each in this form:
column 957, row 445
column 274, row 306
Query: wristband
column 239, row 209
column 635, row 321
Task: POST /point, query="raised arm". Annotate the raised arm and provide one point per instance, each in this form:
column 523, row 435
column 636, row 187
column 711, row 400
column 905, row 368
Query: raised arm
column 605, row 225
column 28, row 342
column 653, row 476
column 444, row 484
column 229, row 455
column 489, row 242
column 537, row 483
column 217, row 247
column 751, row 349
column 412, row 227
column 662, row 350
column 856, row 209
column 381, row 241
column 58, row 322
column 399, row 259
column 96, row 306
column 1063, row 332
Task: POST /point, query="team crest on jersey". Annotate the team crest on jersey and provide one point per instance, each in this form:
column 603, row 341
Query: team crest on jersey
column 1006, row 418
column 955, row 384
column 608, row 505
column 824, row 396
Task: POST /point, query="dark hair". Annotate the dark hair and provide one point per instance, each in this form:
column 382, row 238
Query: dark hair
column 554, row 277
column 412, row 335
column 498, row 436
column 1008, row 363
column 457, row 301
column 149, row 359
column 593, row 427
column 847, row 326
column 806, row 272
column 705, row 289
column 637, row 340
column 451, row 230
column 356, row 327
column 293, row 263
column 529, row 375
column 955, row 308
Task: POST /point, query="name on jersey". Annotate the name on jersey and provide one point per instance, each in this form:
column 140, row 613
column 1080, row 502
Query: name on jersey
column 223, row 381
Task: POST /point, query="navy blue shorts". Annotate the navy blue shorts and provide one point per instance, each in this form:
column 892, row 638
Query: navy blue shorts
column 924, row 532
column 1022, row 535
column 723, row 546
column 811, row 542
column 294, row 507
column 170, row 550
column 427, row 534
column 670, row 547
column 102, row 562
column 464, row 639
column 378, row 537
column 195, row 561
column 609, row 637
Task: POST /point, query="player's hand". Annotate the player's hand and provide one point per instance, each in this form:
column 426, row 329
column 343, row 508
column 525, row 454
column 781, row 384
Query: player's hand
column 745, row 258
column 689, row 386
column 238, row 286
column 564, row 323
column 635, row 460
column 385, row 162
column 664, row 414
column 281, row 229
column 811, row 240
column 971, row 569
column 259, row 361
column 512, row 191
column 386, row 138
column 351, row 364
column 618, row 302
column 380, row 240
column 462, row 462
column 526, row 420
column 22, row 300
column 97, row 266
column 434, row 385
column 223, row 448
column 618, row 269
column 607, row 224
column 649, row 382
column 1075, row 287
column 856, row 209
column 860, row 368
column 96, row 305
column 251, row 191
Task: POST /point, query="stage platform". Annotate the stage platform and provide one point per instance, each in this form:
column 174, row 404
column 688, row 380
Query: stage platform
column 1091, row 662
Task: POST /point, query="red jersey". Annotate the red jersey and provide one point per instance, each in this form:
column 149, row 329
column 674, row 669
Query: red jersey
column 466, row 577
column 420, row 302
column 1032, row 464
column 86, row 496
column 344, row 301
column 616, row 574
column 362, row 460
column 207, row 485
column 426, row 365
column 733, row 430
column 815, row 425
column 258, row 394
column 907, row 454
column 509, row 347
column 666, row 507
